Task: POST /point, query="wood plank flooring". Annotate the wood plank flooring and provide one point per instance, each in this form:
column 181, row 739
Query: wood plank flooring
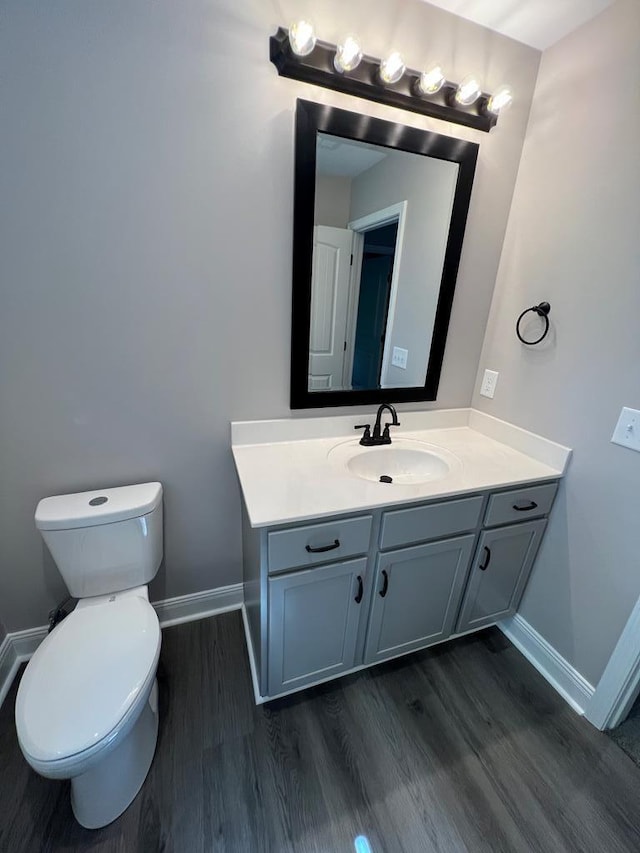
column 463, row 747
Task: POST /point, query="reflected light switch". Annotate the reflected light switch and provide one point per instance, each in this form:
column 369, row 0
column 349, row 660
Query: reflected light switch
column 399, row 357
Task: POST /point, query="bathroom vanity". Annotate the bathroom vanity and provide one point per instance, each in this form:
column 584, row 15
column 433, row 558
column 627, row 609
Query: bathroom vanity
column 342, row 571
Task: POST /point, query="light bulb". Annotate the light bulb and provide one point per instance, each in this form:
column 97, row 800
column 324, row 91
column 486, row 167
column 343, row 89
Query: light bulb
column 348, row 54
column 392, row 68
column 431, row 80
column 302, row 38
column 468, row 91
column 500, row 101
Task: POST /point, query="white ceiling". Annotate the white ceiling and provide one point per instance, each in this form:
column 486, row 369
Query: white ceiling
column 345, row 159
column 539, row 23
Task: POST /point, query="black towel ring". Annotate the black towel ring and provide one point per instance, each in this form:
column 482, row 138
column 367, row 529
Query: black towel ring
column 542, row 310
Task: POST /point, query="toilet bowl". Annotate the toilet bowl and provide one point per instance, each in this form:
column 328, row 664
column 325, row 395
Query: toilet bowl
column 87, row 704
column 87, row 708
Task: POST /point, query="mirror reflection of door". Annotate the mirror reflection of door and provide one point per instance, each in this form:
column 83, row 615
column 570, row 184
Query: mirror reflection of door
column 373, row 305
column 329, row 301
column 352, row 289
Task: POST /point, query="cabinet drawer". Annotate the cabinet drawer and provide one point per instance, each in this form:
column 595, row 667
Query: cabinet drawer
column 520, row 504
column 318, row 543
column 417, row 524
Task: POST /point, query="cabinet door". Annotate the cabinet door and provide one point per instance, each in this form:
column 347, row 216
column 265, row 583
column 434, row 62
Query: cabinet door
column 313, row 623
column 499, row 574
column 416, row 596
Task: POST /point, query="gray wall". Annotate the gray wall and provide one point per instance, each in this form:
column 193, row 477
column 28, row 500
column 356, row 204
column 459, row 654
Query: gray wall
column 428, row 186
column 332, row 201
column 573, row 240
column 145, row 251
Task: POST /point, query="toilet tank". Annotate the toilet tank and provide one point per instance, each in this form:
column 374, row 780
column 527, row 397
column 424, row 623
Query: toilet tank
column 105, row 540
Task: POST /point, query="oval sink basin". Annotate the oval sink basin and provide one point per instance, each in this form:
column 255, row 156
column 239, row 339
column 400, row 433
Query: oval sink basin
column 404, row 462
column 401, row 465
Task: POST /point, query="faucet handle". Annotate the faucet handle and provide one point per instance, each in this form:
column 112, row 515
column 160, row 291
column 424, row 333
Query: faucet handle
column 385, row 434
column 366, row 438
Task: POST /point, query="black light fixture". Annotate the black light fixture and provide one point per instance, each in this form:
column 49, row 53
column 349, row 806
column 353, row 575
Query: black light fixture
column 387, row 81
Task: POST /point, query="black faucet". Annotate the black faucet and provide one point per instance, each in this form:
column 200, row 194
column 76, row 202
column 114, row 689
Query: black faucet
column 369, row 440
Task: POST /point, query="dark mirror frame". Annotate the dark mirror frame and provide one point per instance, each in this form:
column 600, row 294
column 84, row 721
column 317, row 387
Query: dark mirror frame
column 311, row 119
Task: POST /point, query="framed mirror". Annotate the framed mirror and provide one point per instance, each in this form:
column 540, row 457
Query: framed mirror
column 379, row 216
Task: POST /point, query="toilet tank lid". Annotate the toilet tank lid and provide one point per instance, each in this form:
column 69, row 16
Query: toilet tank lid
column 99, row 506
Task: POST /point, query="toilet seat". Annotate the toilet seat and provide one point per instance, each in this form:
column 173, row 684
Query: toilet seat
column 86, row 679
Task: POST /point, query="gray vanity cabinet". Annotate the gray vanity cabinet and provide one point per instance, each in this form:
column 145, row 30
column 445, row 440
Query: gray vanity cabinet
column 416, row 596
column 313, row 623
column 334, row 594
column 499, row 573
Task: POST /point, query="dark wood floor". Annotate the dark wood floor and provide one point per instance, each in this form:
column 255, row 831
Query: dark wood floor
column 461, row 748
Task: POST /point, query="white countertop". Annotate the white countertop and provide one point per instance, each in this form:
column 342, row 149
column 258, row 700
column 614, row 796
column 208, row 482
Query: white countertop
column 288, row 475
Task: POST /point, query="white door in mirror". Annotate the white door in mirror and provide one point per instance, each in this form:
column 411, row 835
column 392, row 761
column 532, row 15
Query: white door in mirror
column 488, row 388
column 627, row 431
column 329, row 304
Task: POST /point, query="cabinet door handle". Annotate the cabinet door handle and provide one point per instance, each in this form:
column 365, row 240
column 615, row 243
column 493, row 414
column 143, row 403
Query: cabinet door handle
column 526, row 508
column 358, row 597
column 385, row 584
column 487, row 559
column 323, row 548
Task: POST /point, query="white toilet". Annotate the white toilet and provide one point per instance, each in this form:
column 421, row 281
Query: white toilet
column 87, row 705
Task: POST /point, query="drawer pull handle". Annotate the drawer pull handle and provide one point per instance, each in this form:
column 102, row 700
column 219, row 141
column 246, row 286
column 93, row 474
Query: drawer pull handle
column 358, row 597
column 526, row 508
column 487, row 559
column 385, row 584
column 323, row 548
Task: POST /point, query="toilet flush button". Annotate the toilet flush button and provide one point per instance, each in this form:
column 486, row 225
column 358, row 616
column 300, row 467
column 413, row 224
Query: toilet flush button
column 98, row 501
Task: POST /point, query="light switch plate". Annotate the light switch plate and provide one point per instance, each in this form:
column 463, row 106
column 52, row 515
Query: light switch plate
column 399, row 357
column 627, row 431
column 489, row 382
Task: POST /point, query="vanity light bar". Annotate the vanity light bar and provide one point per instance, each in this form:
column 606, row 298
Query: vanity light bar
column 367, row 79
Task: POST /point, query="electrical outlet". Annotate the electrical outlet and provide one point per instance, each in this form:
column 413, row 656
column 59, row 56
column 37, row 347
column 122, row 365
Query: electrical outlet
column 489, row 382
column 627, row 431
column 399, row 357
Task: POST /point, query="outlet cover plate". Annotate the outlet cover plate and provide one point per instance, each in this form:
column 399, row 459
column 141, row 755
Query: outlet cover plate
column 489, row 382
column 399, row 357
column 627, row 431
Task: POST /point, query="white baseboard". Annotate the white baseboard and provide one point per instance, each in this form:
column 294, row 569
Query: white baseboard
column 18, row 646
column 15, row 649
column 199, row 605
column 8, row 666
column 573, row 688
column 576, row 690
column 26, row 642
column 252, row 660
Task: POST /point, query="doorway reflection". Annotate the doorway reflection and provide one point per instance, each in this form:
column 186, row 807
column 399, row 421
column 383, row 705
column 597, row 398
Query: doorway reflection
column 373, row 305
